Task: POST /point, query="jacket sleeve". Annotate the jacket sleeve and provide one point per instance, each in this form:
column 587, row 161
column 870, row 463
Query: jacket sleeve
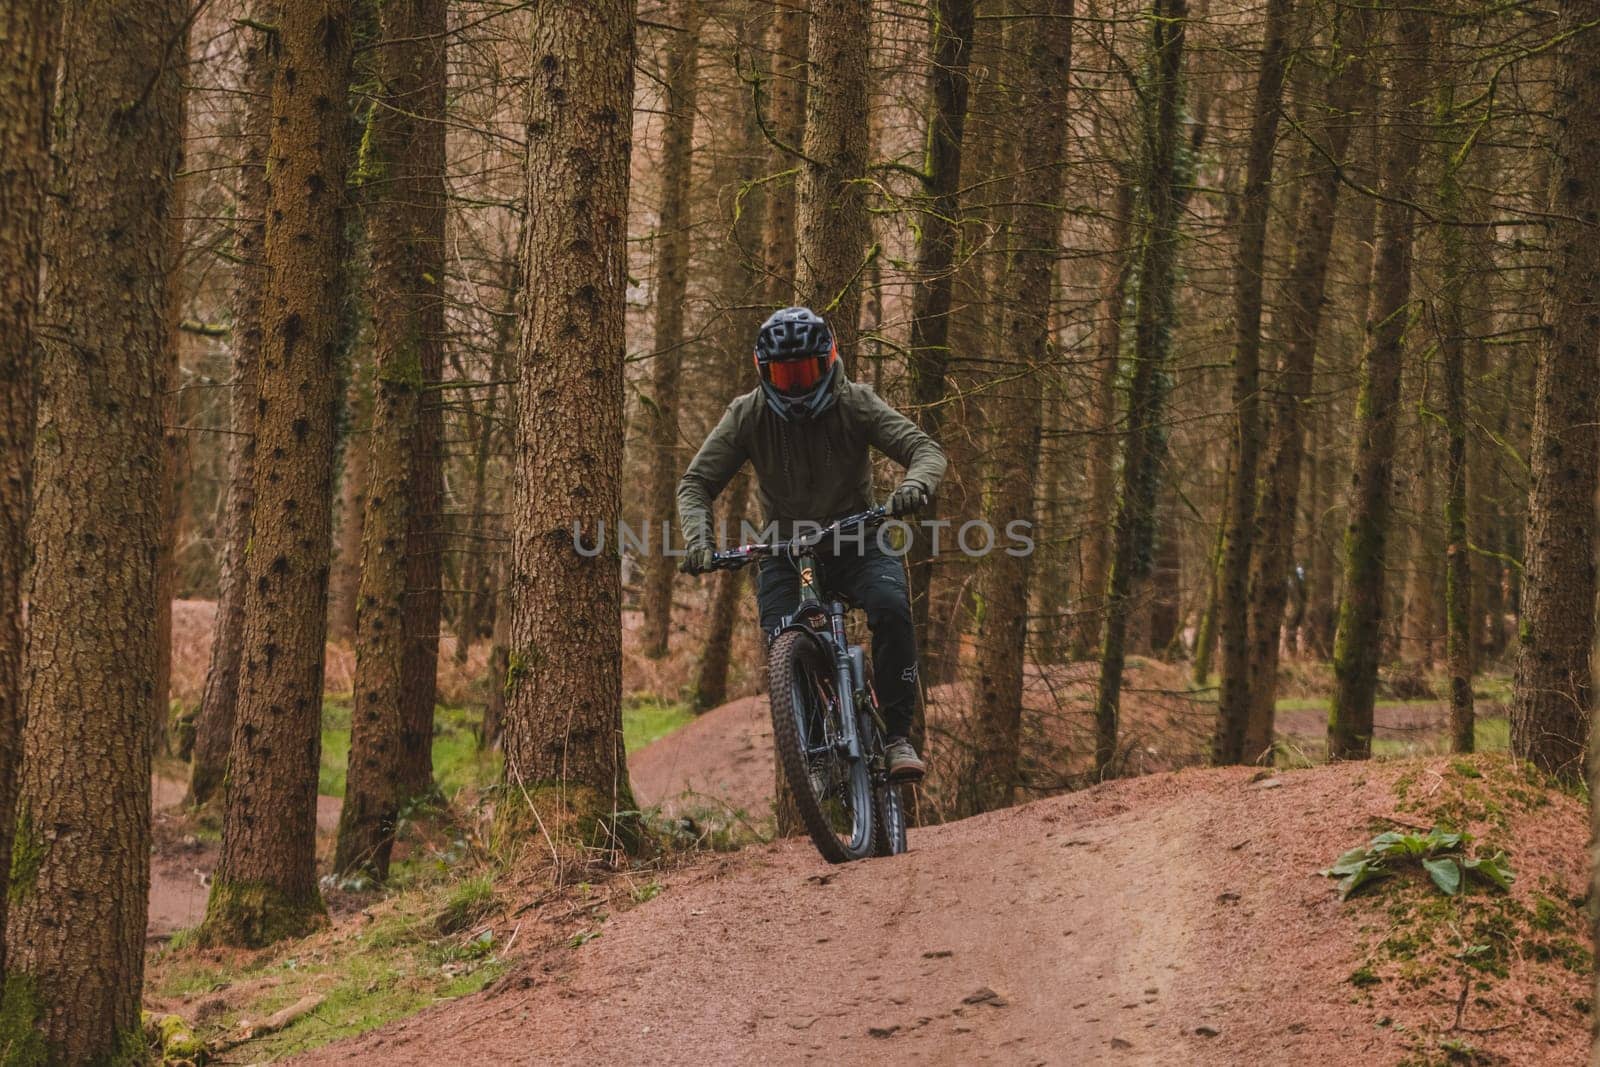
column 712, row 468
column 903, row 441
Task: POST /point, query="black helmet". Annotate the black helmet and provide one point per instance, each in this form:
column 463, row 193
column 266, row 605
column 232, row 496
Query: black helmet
column 798, row 361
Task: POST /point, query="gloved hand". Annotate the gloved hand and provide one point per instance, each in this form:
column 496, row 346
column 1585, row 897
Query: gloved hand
column 697, row 560
column 908, row 498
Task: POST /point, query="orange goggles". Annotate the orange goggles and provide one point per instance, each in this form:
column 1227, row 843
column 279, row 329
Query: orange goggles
column 796, row 376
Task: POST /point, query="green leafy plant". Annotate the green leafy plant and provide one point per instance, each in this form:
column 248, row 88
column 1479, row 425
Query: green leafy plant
column 1443, row 854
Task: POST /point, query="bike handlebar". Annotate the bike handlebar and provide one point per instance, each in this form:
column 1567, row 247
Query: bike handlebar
column 734, row 558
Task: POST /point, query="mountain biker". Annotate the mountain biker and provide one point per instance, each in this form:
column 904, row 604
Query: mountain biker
column 806, row 431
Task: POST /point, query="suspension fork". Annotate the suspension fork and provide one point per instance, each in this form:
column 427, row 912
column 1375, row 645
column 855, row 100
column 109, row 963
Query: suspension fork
column 845, row 681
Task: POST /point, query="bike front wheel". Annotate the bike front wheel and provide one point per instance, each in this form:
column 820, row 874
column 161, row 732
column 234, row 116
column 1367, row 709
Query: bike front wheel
column 832, row 791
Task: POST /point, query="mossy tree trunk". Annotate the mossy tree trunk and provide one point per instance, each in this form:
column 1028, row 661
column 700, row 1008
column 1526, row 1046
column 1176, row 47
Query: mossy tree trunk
column 27, row 81
column 1038, row 43
column 832, row 227
column 1249, row 277
column 404, row 171
column 1553, row 700
column 219, row 699
column 673, row 229
column 563, row 727
column 1451, row 326
column 1287, row 400
column 1102, row 480
column 1145, row 447
column 265, row 885
column 1359, row 639
column 80, row 868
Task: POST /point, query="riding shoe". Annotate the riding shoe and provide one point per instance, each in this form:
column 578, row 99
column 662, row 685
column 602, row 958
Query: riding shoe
column 903, row 762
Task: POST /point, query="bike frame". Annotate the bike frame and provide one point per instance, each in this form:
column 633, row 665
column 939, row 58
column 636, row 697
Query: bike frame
column 822, row 621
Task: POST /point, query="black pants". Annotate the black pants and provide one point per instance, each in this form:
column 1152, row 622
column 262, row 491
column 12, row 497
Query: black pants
column 876, row 582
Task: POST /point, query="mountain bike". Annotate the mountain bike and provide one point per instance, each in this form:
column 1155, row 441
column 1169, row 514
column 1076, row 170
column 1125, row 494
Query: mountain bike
column 825, row 722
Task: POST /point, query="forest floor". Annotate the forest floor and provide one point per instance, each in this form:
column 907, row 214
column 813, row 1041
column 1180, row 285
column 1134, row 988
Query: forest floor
column 1175, row 917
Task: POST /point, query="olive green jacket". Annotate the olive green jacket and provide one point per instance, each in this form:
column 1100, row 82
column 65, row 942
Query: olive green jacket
column 815, row 471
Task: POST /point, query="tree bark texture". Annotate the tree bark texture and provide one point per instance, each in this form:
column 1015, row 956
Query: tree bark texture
column 1039, row 43
column 80, row 866
column 832, row 229
column 265, row 885
column 1103, row 448
column 1249, row 275
column 671, row 291
column 27, row 81
column 1304, row 293
column 937, row 243
column 1145, row 448
column 219, row 699
column 563, row 729
column 404, row 169
column 1359, row 638
column 1553, row 701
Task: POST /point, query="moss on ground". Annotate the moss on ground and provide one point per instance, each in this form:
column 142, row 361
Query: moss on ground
column 250, row 915
column 427, row 944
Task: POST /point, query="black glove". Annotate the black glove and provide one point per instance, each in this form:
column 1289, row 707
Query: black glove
column 908, row 498
column 697, row 560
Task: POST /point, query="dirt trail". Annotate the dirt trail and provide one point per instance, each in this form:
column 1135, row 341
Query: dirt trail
column 1173, row 919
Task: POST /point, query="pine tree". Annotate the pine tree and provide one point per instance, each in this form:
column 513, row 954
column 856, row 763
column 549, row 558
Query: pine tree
column 1553, row 700
column 1039, row 43
column 1145, row 446
column 220, row 698
column 406, row 215
column 1361, row 610
column 831, row 229
column 265, row 885
column 27, row 78
column 80, row 866
column 563, row 725
column 671, row 291
column 1233, row 701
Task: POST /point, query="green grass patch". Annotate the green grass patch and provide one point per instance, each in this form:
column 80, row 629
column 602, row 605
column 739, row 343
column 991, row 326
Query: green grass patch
column 421, row 947
column 458, row 762
column 650, row 720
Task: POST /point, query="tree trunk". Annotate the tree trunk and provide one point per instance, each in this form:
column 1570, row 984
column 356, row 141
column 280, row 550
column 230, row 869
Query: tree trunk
column 265, row 885
column 740, row 283
column 1233, row 700
column 1358, row 642
column 475, row 594
column 1147, row 388
column 832, row 230
column 1038, row 41
column 405, row 158
column 80, row 869
column 563, row 729
column 1118, row 262
column 424, row 605
column 345, row 580
column 27, row 80
column 939, row 236
column 1272, row 562
column 219, row 699
column 1552, row 702
column 788, row 43
column 671, row 289
column 1205, row 636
